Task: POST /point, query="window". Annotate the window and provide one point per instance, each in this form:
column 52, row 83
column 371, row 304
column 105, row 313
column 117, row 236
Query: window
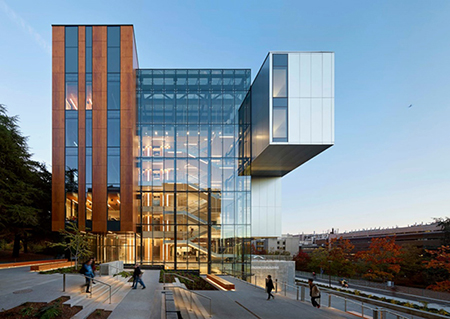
column 280, row 101
column 279, row 120
column 113, row 128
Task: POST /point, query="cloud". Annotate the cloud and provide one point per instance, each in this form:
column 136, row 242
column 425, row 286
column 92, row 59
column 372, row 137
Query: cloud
column 25, row 27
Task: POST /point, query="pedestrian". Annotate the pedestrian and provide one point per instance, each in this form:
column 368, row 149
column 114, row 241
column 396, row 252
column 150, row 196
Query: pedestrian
column 314, row 292
column 269, row 287
column 192, row 232
column 86, row 270
column 94, row 268
column 137, row 277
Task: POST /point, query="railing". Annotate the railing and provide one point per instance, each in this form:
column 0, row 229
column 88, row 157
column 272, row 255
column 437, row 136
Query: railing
column 191, row 293
column 376, row 312
column 174, row 274
column 444, row 296
column 92, row 286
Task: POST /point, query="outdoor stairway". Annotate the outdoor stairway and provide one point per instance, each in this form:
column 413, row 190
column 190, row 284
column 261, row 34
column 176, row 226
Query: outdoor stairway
column 182, row 300
column 100, row 295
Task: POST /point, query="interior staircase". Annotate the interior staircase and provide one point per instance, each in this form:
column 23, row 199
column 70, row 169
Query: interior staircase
column 189, row 309
column 99, row 299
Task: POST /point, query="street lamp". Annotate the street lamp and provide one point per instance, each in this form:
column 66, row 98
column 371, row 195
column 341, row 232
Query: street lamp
column 329, row 273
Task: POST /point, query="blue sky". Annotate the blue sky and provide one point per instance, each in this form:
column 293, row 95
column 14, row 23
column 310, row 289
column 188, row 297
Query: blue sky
column 390, row 164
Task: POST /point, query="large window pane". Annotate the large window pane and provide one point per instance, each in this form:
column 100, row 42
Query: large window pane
column 113, row 91
column 113, row 36
column 71, row 129
column 280, row 120
column 113, row 166
column 71, row 92
column 113, row 59
column 279, row 82
column 71, row 60
column 113, row 128
column 71, row 36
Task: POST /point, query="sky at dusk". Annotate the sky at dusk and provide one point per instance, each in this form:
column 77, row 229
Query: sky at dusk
column 390, row 164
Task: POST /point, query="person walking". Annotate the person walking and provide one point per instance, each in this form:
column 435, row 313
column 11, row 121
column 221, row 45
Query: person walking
column 137, row 277
column 86, row 270
column 314, row 292
column 269, row 287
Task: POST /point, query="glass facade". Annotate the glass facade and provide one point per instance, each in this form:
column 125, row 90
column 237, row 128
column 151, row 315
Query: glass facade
column 88, row 128
column 195, row 210
column 71, row 124
column 113, row 127
column 280, row 97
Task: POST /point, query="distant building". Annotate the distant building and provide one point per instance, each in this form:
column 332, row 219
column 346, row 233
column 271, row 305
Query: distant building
column 428, row 236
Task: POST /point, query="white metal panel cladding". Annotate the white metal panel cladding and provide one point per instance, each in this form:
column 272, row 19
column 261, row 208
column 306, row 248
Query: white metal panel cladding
column 266, row 206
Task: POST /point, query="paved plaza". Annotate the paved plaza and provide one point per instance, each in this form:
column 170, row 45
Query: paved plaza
column 19, row 285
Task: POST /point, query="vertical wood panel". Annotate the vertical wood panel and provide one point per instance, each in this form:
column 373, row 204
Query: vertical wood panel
column 99, row 141
column 58, row 196
column 127, row 130
column 81, row 127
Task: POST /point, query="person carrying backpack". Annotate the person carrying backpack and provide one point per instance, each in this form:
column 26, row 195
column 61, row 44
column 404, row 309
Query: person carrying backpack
column 314, row 292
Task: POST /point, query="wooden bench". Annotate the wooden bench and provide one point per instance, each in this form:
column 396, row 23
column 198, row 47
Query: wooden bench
column 52, row 266
column 30, row 263
column 221, row 282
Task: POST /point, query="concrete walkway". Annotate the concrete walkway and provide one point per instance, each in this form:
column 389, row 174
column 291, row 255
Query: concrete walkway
column 142, row 303
column 19, row 285
column 248, row 301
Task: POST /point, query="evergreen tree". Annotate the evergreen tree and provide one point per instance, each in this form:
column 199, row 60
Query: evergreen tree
column 19, row 176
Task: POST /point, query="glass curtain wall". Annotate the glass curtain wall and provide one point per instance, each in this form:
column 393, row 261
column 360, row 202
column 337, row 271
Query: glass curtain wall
column 71, row 124
column 88, row 104
column 195, row 205
column 280, row 98
column 113, row 127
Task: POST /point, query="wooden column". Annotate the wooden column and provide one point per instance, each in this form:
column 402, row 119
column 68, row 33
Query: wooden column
column 99, row 129
column 58, row 128
column 127, row 129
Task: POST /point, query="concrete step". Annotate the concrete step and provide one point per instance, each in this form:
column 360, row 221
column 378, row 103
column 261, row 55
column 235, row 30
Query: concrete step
column 100, row 296
column 183, row 304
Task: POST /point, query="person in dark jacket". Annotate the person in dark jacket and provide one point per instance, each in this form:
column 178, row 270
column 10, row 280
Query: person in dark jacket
column 137, row 277
column 269, row 287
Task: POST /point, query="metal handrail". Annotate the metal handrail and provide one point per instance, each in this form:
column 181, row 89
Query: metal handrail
column 358, row 303
column 175, row 274
column 103, row 283
column 193, row 292
column 90, row 278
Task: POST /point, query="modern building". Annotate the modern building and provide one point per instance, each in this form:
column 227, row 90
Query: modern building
column 422, row 236
column 179, row 168
column 285, row 244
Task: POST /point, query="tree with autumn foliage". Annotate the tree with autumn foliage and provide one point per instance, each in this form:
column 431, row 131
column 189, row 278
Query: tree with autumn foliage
column 340, row 256
column 382, row 260
column 441, row 261
column 302, row 261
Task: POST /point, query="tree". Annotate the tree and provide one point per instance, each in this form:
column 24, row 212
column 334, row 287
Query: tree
column 340, row 256
column 78, row 243
column 302, row 260
column 411, row 266
column 440, row 260
column 319, row 260
column 382, row 260
column 444, row 223
column 18, row 215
